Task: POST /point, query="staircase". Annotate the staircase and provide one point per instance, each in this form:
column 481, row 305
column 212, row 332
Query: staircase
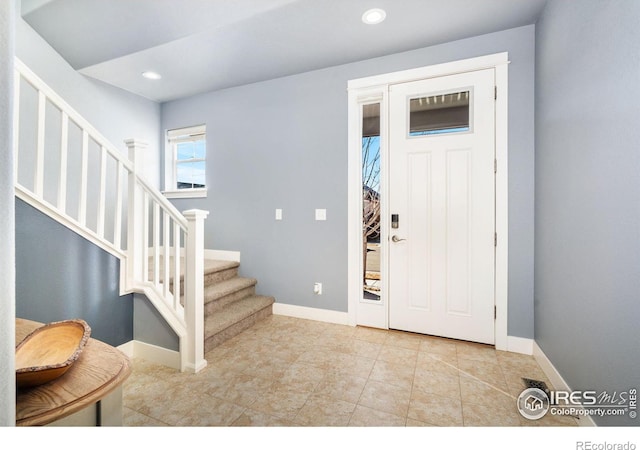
column 115, row 208
column 230, row 301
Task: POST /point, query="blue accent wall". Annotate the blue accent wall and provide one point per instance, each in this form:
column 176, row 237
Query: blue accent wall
column 60, row 275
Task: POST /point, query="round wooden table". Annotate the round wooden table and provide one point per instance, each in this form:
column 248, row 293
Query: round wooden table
column 99, row 371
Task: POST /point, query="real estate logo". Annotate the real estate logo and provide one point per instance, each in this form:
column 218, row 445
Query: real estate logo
column 533, row 403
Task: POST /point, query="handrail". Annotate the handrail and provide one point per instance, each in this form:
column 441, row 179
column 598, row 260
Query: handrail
column 129, row 215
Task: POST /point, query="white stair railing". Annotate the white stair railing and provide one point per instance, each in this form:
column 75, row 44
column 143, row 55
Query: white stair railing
column 65, row 168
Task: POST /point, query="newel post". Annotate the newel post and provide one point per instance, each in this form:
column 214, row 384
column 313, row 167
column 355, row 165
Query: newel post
column 135, row 214
column 194, row 289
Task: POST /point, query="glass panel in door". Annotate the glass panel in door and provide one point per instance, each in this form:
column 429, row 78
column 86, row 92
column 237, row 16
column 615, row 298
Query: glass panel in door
column 439, row 114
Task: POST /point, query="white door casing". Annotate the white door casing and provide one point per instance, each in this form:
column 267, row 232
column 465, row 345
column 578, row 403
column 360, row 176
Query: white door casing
column 441, row 269
column 376, row 88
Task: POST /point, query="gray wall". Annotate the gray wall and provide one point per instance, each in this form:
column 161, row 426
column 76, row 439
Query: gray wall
column 587, row 269
column 7, row 218
column 150, row 326
column 60, row 275
column 283, row 144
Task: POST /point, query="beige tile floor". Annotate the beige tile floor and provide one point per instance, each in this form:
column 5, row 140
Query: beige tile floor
column 294, row 372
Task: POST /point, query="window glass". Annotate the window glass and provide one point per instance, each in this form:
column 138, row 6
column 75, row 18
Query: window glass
column 190, row 175
column 191, row 150
column 371, row 201
column 188, row 147
column 438, row 114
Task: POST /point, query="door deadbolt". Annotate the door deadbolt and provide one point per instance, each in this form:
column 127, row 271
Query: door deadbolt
column 394, row 221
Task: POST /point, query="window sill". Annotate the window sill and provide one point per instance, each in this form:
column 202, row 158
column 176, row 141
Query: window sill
column 186, row 193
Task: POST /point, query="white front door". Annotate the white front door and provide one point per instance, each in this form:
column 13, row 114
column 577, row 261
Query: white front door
column 442, row 193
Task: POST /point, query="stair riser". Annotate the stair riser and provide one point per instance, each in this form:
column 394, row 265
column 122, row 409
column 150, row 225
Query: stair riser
column 211, row 307
column 211, row 278
column 212, row 342
column 221, row 275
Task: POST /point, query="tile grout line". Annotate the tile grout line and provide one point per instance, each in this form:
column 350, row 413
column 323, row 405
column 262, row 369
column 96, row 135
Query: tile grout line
column 475, row 378
column 459, row 386
column 415, row 368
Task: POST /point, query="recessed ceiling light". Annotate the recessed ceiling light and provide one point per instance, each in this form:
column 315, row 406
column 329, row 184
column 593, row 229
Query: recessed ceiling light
column 374, row 16
column 151, row 75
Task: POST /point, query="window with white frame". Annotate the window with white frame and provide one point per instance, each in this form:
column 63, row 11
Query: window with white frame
column 185, row 167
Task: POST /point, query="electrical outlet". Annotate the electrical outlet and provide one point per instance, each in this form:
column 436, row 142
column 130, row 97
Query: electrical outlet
column 278, row 214
column 317, row 288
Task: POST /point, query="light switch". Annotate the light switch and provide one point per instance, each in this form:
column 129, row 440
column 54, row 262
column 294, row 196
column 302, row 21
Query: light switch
column 278, row 214
column 321, row 214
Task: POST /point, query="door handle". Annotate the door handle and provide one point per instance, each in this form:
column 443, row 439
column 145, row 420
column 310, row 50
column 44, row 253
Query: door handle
column 395, row 238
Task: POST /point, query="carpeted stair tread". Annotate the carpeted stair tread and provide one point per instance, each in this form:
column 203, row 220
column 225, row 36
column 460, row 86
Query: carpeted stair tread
column 214, row 265
column 218, row 290
column 231, row 305
column 234, row 313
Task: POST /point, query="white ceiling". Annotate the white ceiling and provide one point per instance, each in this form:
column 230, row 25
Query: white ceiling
column 203, row 45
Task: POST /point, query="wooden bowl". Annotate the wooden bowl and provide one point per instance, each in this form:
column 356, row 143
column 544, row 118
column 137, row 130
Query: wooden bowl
column 49, row 351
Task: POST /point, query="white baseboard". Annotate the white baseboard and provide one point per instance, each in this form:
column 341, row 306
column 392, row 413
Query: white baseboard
column 222, row 255
column 304, row 312
column 556, row 379
column 151, row 353
column 520, row 345
column 127, row 348
column 549, row 369
column 190, row 368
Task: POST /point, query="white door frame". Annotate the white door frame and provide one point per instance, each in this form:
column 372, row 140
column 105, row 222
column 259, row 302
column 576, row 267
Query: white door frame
column 373, row 89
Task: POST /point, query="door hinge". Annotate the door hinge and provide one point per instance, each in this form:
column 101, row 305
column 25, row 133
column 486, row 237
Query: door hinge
column 495, row 166
column 495, row 92
column 495, row 312
column 495, row 239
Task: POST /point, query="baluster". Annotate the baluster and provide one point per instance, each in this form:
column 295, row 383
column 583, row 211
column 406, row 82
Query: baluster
column 176, row 267
column 166, row 228
column 117, row 222
column 103, row 192
column 16, row 122
column 82, row 208
column 145, row 237
column 156, row 243
column 62, row 180
column 39, row 174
